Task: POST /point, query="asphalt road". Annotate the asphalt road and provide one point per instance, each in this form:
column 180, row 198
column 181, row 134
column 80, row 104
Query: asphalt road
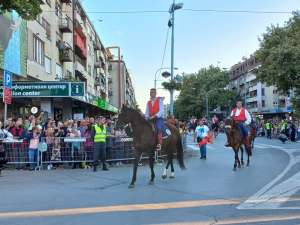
column 208, row 192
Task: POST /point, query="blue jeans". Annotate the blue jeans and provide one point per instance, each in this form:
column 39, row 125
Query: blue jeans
column 159, row 125
column 32, row 155
column 243, row 130
column 203, row 151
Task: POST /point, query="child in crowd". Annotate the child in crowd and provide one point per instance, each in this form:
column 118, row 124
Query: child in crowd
column 34, row 139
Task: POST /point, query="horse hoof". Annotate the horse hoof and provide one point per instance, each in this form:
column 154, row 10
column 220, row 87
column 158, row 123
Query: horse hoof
column 130, row 186
column 164, row 176
column 151, row 182
column 234, row 169
column 172, row 177
column 240, row 166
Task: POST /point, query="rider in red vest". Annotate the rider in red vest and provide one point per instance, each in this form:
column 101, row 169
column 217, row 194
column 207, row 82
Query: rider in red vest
column 243, row 119
column 155, row 112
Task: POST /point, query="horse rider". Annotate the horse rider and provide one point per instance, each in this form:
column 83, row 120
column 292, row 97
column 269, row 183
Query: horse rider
column 155, row 112
column 243, row 119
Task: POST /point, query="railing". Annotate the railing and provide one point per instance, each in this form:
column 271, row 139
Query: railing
column 66, row 150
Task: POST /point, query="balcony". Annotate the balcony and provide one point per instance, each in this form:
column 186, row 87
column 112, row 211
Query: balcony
column 66, row 1
column 65, row 25
column 97, row 45
column 65, row 52
column 97, row 64
column 66, row 55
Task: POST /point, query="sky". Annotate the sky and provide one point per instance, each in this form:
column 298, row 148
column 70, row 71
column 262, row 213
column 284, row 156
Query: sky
column 201, row 38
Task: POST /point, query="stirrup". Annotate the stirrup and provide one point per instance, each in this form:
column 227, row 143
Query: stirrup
column 158, row 147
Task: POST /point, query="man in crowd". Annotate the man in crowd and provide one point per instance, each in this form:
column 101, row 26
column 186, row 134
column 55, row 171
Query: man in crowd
column 155, row 112
column 99, row 138
column 269, row 127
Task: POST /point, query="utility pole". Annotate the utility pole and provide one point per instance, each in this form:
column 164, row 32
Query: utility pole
column 172, row 12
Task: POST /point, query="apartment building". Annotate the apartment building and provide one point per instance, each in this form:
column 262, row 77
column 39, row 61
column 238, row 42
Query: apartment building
column 62, row 45
column 257, row 97
column 120, row 88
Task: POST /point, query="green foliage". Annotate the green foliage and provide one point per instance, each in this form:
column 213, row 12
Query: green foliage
column 210, row 81
column 27, row 9
column 172, row 85
column 279, row 57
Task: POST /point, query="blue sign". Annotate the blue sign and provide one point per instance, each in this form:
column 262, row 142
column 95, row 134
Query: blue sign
column 7, row 79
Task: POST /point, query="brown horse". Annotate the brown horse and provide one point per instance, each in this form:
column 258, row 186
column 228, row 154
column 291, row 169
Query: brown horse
column 144, row 141
column 236, row 141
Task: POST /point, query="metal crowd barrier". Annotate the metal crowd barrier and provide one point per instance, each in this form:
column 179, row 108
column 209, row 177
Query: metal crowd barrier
column 67, row 150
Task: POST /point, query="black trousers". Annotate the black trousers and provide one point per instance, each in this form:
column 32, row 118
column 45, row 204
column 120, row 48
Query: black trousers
column 99, row 152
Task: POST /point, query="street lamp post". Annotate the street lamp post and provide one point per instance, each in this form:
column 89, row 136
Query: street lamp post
column 172, row 10
column 159, row 69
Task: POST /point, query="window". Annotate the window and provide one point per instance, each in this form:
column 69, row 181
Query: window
column 38, row 50
column 48, row 65
column 48, row 2
column 58, row 9
column 263, row 92
column 58, row 72
column 263, row 104
column 46, row 26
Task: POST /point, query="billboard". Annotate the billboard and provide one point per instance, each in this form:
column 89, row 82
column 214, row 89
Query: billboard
column 13, row 43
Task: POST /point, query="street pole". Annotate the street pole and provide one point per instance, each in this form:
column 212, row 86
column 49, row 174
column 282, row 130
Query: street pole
column 5, row 114
column 172, row 60
column 206, row 100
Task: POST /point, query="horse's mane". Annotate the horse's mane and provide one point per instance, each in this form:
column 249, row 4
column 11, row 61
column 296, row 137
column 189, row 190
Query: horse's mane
column 140, row 117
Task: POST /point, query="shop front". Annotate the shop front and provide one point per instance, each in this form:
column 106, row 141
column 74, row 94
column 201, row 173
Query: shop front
column 58, row 100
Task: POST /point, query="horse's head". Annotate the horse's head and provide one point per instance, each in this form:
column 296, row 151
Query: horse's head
column 229, row 124
column 124, row 117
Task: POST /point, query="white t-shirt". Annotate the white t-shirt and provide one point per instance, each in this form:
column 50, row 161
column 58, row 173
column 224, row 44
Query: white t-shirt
column 201, row 131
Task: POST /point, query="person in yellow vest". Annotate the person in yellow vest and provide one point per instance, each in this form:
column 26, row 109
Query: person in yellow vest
column 99, row 138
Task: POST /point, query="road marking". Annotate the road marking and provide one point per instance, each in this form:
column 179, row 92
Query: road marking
column 119, row 208
column 240, row 220
column 273, row 196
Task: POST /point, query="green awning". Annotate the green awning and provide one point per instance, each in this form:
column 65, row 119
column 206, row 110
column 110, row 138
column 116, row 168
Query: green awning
column 102, row 104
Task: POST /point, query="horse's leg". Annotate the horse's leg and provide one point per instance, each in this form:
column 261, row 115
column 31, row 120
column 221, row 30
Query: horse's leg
column 248, row 160
column 172, row 168
column 151, row 164
column 135, row 166
column 236, row 158
column 164, row 175
column 242, row 155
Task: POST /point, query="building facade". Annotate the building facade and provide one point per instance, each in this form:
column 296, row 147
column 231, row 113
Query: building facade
column 120, row 86
column 62, row 45
column 257, row 96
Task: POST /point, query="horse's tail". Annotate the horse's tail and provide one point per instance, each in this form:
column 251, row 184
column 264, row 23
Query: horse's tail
column 180, row 153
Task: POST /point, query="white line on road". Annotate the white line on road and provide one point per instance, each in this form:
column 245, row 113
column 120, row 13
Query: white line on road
column 272, row 197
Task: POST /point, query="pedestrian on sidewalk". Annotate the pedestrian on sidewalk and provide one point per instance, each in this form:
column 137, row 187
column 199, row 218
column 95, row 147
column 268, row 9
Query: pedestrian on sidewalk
column 99, row 138
column 202, row 132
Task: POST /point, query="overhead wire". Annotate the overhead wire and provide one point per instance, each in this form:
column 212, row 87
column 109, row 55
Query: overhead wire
column 165, row 48
column 183, row 10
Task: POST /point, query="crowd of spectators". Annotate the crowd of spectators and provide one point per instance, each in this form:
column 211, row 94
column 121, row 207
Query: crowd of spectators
column 25, row 135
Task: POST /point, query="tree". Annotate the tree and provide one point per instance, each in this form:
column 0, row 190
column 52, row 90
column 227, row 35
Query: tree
column 27, row 9
column 279, row 58
column 211, row 81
